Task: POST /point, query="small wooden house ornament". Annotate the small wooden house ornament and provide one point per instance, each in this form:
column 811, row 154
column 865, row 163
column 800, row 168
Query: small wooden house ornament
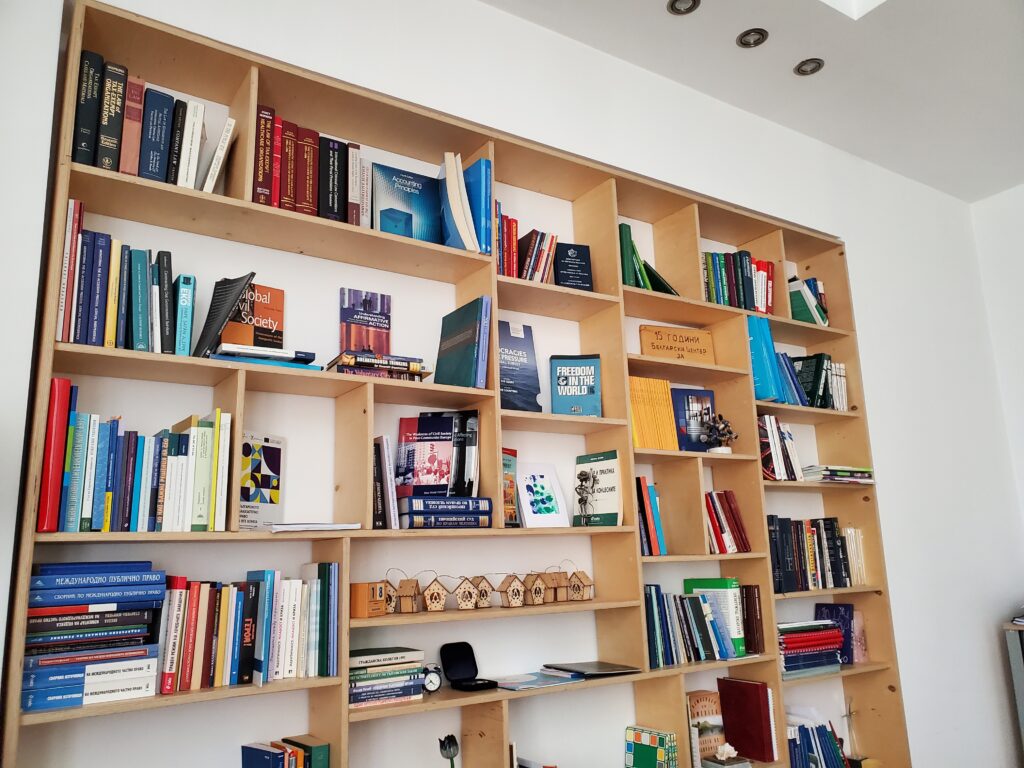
column 581, row 586
column 435, row 595
column 550, row 587
column 465, row 595
column 390, row 597
column 409, row 595
column 484, row 588
column 512, row 591
column 561, row 587
column 536, row 590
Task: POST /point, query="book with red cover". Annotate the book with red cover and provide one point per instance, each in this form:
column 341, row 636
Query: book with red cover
column 131, row 132
column 732, row 511
column 188, row 643
column 53, row 455
column 716, row 531
column 275, row 163
column 648, row 512
column 263, row 158
column 307, row 166
column 289, row 137
column 748, row 718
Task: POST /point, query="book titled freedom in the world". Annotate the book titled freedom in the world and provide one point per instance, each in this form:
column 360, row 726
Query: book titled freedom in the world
column 576, row 385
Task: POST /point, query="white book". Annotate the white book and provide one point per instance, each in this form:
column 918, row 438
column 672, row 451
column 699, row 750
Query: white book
column 223, row 470
column 284, row 630
column 102, row 691
column 89, row 474
column 201, row 484
column 291, row 650
column 120, row 670
column 154, row 311
column 191, row 143
column 365, row 194
column 303, row 634
column 172, row 495
column 354, row 181
column 457, row 200
column 775, row 442
column 277, row 611
column 388, row 471
column 466, row 210
column 145, row 487
column 66, row 260
column 314, row 643
column 227, row 136
column 191, row 108
column 175, row 608
column 189, row 484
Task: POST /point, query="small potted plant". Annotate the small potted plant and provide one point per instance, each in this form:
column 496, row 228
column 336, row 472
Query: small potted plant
column 717, row 433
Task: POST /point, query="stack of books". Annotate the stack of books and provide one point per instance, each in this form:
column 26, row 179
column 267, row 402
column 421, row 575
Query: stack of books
column 813, row 554
column 738, row 280
column 384, row 676
column 304, row 751
column 653, row 416
column 652, row 536
column 779, row 459
column 254, row 631
column 380, row 366
column 807, row 301
column 837, row 473
column 506, row 256
column 809, row 648
column 814, row 744
column 92, row 634
column 99, row 477
column 808, row 380
column 636, row 271
column 119, row 297
column 726, row 534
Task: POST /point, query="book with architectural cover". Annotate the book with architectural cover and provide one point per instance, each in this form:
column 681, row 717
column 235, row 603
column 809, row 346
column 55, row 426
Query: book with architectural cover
column 517, row 360
column 365, row 322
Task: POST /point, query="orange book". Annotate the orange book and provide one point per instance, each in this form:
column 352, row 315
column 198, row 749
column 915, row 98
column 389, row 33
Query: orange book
column 258, row 320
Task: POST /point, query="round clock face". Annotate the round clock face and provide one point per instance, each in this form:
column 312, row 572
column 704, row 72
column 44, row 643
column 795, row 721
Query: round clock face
column 432, row 678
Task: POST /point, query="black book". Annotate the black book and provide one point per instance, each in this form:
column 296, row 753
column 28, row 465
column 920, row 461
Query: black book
column 379, row 516
column 702, row 632
column 645, row 535
column 177, row 137
column 332, row 179
column 247, row 645
column 123, row 335
column 773, row 549
column 748, row 279
column 124, row 513
column 572, row 266
column 117, row 642
column 108, row 147
column 168, row 313
column 649, row 608
column 465, row 451
column 658, row 283
column 226, row 293
column 87, row 112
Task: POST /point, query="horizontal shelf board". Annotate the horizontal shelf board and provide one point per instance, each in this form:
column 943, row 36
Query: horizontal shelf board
column 191, row 697
column 847, row 670
column 249, row 536
column 1011, row 627
column 800, row 414
column 528, row 421
column 164, row 205
column 709, row 558
column 809, row 487
column 179, row 369
column 706, row 666
column 495, row 612
column 814, row 593
column 681, row 371
column 550, row 300
column 657, row 456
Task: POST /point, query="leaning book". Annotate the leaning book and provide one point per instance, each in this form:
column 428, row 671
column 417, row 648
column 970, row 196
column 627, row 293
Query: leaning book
column 598, row 500
column 262, row 501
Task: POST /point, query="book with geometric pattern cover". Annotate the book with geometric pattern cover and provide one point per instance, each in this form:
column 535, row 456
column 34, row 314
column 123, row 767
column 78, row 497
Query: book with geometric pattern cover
column 262, row 502
column 647, row 748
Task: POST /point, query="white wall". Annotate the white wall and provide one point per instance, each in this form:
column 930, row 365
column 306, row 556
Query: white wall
column 952, row 529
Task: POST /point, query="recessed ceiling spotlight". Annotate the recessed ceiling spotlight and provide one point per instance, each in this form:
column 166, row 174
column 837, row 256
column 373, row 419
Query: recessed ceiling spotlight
column 752, row 38
column 809, row 67
column 683, row 7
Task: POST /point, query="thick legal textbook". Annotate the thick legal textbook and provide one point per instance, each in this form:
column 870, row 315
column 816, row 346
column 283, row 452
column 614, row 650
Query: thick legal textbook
column 462, row 350
column 749, row 718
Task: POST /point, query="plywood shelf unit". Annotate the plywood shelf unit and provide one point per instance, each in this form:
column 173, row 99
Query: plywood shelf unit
column 598, row 194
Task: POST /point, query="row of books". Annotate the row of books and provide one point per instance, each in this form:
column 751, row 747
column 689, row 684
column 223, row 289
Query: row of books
column 97, row 476
column 306, row 751
column 652, row 533
column 809, row 648
column 92, row 634
column 814, row 381
column 779, row 459
column 814, row 745
column 821, row 380
column 807, row 301
column 814, row 554
column 116, row 296
column 391, row 675
column 530, row 257
column 637, row 272
column 715, row 619
column 254, row 631
column 740, row 713
column 738, row 280
column 726, row 533
column 123, row 125
column 669, row 418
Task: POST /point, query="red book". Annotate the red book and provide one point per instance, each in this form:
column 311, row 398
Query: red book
column 748, row 717
column 506, row 228
column 188, row 644
column 770, row 269
column 263, row 158
column 53, row 455
column 716, row 530
column 512, row 253
column 648, row 511
column 731, row 506
column 289, row 135
column 131, row 133
column 69, row 291
column 307, row 163
column 275, row 163
column 209, row 652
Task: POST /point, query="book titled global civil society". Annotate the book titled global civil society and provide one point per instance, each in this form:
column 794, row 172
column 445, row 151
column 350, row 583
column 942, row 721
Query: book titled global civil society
column 576, row 385
column 406, row 203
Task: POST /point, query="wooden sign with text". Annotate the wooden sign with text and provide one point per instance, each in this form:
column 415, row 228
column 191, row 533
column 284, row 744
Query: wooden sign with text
column 677, row 343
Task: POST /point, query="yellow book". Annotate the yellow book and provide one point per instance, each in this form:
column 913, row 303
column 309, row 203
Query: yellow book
column 113, row 284
column 211, row 524
column 222, row 636
column 667, row 417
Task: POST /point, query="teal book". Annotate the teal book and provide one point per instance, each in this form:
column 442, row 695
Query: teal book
column 139, row 309
column 76, row 486
column 99, row 495
column 140, row 450
column 478, row 188
column 406, row 203
column 576, row 385
column 459, row 353
column 626, row 255
column 185, row 293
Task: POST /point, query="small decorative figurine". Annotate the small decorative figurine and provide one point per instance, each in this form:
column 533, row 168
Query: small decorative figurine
column 434, row 595
column 390, row 597
column 512, row 591
column 465, row 595
column 717, row 433
column 581, row 586
column 536, row 589
column 409, row 595
column 484, row 588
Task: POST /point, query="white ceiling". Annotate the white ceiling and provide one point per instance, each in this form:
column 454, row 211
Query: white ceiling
column 931, row 89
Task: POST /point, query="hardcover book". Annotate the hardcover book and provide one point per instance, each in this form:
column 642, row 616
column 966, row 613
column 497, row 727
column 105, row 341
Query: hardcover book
column 258, row 319
column 462, row 349
column 842, row 615
column 406, row 203
column 332, row 177
column 87, row 112
column 131, row 132
column 176, row 131
column 425, row 451
column 690, row 408
column 576, row 385
column 572, row 266
column 478, row 188
column 226, row 294
column 365, row 324
column 262, row 501
column 158, row 109
column 598, row 500
column 517, row 362
column 108, row 148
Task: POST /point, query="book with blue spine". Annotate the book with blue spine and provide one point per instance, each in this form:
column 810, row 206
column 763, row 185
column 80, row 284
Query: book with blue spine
column 261, row 662
column 478, row 189
column 483, row 343
column 83, row 285
column 462, row 348
column 442, row 504
column 100, row 270
column 139, row 308
column 112, row 633
column 109, row 566
column 690, row 409
column 73, row 518
column 155, row 145
column 99, row 495
column 406, row 203
column 68, row 449
column 266, row 361
column 122, row 334
column 445, row 520
column 138, row 470
column 410, row 689
column 519, row 380
column 41, row 598
column 63, row 675
column 185, row 293
column 96, row 579
column 236, row 635
column 656, row 515
column 116, row 490
column 576, row 385
column 98, row 655
column 108, row 501
column 457, row 229
column 842, row 615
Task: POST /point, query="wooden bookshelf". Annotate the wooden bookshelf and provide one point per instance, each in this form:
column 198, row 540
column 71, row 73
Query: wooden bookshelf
column 599, row 194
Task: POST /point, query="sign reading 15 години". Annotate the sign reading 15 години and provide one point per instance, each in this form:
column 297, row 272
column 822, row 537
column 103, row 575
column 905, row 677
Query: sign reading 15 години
column 677, row 343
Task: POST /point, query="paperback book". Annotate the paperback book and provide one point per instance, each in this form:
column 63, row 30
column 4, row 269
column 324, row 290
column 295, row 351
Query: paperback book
column 258, row 320
column 519, row 380
column 262, row 487
column 598, row 498
column 406, row 203
column 576, row 385
column 365, row 323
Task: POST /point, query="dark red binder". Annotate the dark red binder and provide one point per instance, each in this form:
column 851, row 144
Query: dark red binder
column 748, row 718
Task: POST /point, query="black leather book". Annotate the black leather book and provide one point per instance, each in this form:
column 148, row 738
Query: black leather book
column 108, row 145
column 247, row 647
column 87, row 113
column 168, row 310
column 177, row 136
column 658, row 283
column 332, row 178
column 378, row 490
column 226, row 293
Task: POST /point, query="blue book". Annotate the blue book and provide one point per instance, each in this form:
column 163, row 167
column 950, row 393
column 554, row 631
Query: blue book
column 92, row 634
column 117, row 489
column 134, row 652
column 768, row 344
column 717, row 624
column 84, row 285
column 410, row 689
column 122, row 336
column 478, row 188
column 519, row 381
column 53, row 677
column 43, row 598
column 761, row 363
column 139, row 307
column 115, row 431
column 236, row 637
column 690, row 408
column 576, row 385
column 263, row 361
column 262, row 756
column 261, row 661
column 78, row 451
column 332, row 628
column 140, row 447
column 656, row 514
column 185, row 293
column 450, row 234
column 97, row 317
column 53, row 698
column 99, row 494
column 155, row 146
column 96, row 579
column 433, row 505
column 109, row 566
column 842, row 615
column 483, row 342
column 406, row 203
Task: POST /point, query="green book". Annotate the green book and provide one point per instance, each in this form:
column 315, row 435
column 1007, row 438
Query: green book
column 202, row 481
column 803, row 305
column 658, row 283
column 316, row 750
column 727, row 602
column 598, row 500
column 462, row 351
column 642, row 280
column 626, row 254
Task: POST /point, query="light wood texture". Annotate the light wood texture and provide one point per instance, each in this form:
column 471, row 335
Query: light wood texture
column 656, row 455
column 677, row 251
column 550, row 300
column 682, row 371
column 816, row 487
column 526, row 421
column 487, row 614
column 816, row 593
column 485, row 736
column 846, row 670
column 702, row 558
column 800, row 414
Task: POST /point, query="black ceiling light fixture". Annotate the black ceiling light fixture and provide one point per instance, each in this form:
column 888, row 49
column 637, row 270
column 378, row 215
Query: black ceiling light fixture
column 752, row 38
column 809, row 67
column 682, row 7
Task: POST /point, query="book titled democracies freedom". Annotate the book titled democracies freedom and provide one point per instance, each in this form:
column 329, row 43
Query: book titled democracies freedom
column 517, row 363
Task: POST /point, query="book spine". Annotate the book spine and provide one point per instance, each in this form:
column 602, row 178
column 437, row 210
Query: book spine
column 112, row 288
column 195, row 139
column 87, row 111
column 427, row 505
column 331, row 192
column 131, row 133
column 189, row 631
column 176, row 140
column 184, row 289
column 140, row 291
column 365, row 191
column 83, row 286
column 112, row 579
column 353, row 207
column 98, row 291
column 219, row 155
column 168, row 315
column 108, row 146
column 122, row 330
column 68, row 272
column 188, row 147
column 53, row 456
column 287, row 177
column 483, row 343
column 276, row 144
column 263, row 158
column 155, row 341
column 307, row 164
column 89, row 473
column 442, row 520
